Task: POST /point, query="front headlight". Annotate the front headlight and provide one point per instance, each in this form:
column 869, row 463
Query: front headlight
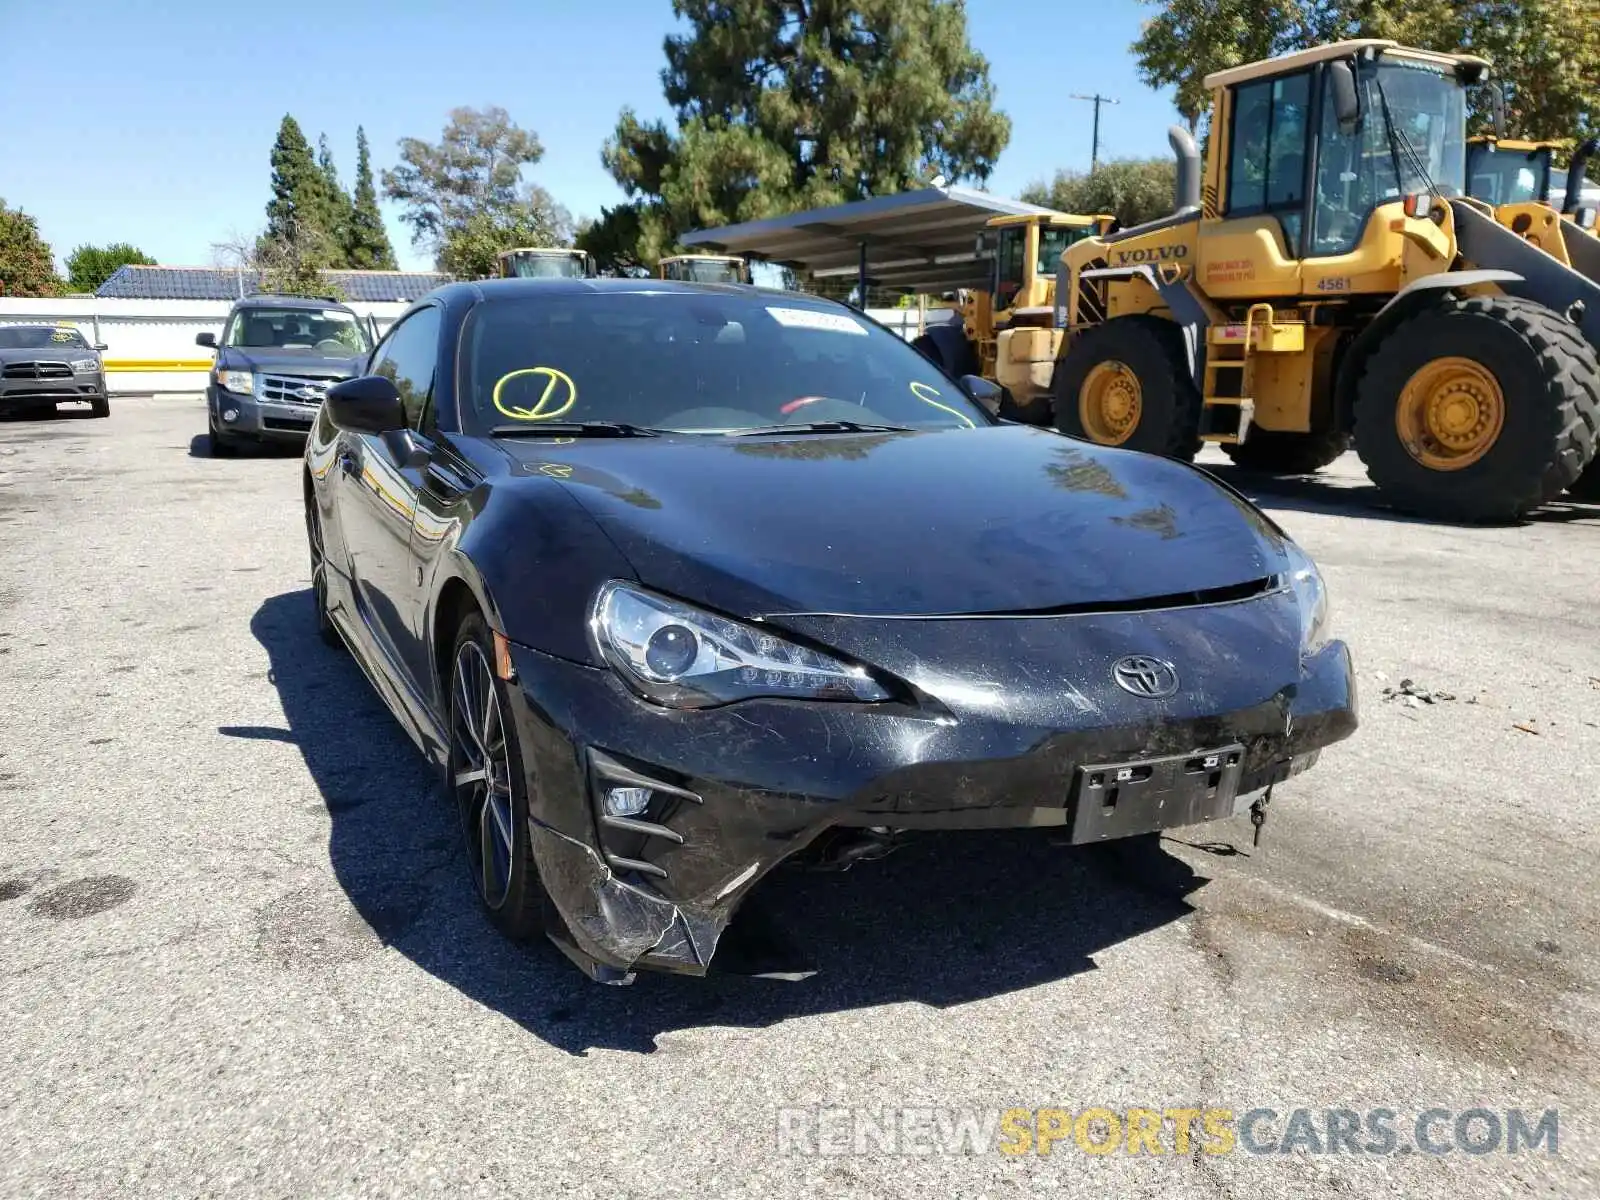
column 1311, row 594
column 84, row 365
column 242, row 382
column 683, row 657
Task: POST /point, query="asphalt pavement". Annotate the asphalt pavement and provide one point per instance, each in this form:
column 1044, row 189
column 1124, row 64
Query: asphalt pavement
column 240, row 955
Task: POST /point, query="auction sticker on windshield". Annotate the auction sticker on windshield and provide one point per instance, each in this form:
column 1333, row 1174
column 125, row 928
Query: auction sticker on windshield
column 810, row 318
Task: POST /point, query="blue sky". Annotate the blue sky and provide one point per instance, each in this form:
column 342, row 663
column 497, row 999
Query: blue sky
column 162, row 138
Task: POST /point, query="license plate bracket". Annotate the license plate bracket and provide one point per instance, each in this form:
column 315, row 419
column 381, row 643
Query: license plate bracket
column 1143, row 795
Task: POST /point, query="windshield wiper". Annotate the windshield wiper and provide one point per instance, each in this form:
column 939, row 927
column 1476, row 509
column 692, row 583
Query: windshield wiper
column 820, row 427
column 1401, row 148
column 574, row 429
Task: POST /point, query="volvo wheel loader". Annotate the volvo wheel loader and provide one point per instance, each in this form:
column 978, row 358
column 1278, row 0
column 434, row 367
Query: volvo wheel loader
column 1006, row 333
column 1535, row 200
column 704, row 268
column 545, row 262
column 1328, row 279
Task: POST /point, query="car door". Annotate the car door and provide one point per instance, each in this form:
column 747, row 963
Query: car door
column 377, row 496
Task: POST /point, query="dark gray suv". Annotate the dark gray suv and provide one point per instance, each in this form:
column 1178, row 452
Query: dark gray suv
column 277, row 357
column 42, row 366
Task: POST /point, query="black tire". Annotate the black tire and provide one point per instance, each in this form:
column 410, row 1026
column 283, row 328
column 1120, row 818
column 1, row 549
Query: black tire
column 1587, row 486
column 947, row 347
column 1549, row 380
column 1038, row 411
column 1152, row 350
column 518, row 911
column 100, row 406
column 326, row 629
column 1276, row 453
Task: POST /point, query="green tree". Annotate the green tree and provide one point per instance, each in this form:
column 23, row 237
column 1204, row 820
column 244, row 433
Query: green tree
column 90, row 266
column 788, row 104
column 338, row 209
column 292, row 263
column 27, row 265
column 300, row 200
column 1134, row 190
column 470, row 249
column 367, row 246
column 468, row 186
column 1545, row 53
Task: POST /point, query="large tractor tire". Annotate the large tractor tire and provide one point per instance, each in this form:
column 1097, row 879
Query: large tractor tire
column 1587, row 486
column 1273, row 452
column 1127, row 383
column 946, row 346
column 1478, row 410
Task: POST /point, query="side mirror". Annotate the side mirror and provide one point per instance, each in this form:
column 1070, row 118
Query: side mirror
column 982, row 391
column 1346, row 100
column 101, row 346
column 206, row 339
column 366, row 404
column 1497, row 107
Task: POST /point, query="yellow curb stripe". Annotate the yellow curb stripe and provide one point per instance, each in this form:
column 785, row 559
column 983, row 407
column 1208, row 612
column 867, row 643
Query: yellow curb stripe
column 158, row 364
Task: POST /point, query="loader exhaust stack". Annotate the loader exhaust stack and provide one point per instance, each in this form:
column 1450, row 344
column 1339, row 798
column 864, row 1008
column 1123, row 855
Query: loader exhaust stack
column 1186, row 191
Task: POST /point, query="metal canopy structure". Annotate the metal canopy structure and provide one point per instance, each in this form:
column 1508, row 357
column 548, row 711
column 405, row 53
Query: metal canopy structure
column 923, row 241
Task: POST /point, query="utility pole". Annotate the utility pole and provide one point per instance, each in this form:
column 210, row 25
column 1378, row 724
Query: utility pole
column 1097, row 100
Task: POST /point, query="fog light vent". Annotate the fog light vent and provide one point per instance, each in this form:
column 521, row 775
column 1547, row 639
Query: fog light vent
column 230, row 414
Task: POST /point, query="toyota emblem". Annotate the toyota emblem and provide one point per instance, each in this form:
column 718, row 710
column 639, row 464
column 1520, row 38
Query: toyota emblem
column 1151, row 678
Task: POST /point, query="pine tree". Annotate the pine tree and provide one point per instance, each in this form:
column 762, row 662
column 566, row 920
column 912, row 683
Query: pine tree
column 788, row 104
column 367, row 245
column 338, row 208
column 300, row 206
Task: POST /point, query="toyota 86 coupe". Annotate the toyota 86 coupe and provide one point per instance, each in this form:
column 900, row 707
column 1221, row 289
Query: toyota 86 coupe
column 673, row 582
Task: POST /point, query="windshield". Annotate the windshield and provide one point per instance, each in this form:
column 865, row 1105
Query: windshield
column 323, row 332
column 1498, row 176
column 37, row 337
column 1427, row 116
column 703, row 271
column 529, row 265
column 696, row 363
column 1053, row 240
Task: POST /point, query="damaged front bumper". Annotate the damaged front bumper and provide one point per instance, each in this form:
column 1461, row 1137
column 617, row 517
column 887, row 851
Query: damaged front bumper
column 736, row 790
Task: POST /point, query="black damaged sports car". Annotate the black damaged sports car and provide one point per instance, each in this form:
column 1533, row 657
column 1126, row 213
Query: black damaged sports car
column 676, row 581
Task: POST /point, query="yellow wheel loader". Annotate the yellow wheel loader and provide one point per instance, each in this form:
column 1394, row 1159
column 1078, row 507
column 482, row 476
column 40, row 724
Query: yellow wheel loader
column 1534, row 199
column 545, row 262
column 704, row 268
column 1328, row 279
column 1006, row 333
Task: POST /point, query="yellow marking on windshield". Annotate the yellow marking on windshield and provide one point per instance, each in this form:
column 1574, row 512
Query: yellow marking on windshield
column 559, row 386
column 926, row 394
column 556, row 470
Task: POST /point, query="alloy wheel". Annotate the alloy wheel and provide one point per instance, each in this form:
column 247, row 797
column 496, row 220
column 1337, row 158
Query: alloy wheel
column 480, row 773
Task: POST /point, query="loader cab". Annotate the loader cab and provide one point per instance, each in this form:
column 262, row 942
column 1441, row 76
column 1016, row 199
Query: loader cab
column 1314, row 144
column 704, row 268
column 539, row 262
column 1027, row 249
column 1500, row 171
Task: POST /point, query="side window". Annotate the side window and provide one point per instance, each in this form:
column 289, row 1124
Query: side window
column 1267, row 152
column 407, row 357
column 1008, row 263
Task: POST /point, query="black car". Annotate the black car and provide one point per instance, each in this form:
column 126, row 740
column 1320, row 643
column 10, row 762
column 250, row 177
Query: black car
column 42, row 366
column 677, row 581
column 276, row 360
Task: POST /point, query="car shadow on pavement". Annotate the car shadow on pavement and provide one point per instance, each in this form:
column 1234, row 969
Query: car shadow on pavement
column 945, row 920
column 1343, row 496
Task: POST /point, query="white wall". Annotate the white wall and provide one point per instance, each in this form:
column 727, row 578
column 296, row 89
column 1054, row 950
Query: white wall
column 150, row 343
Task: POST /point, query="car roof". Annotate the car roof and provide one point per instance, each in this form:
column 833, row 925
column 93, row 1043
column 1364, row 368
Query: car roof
column 269, row 300
column 508, row 289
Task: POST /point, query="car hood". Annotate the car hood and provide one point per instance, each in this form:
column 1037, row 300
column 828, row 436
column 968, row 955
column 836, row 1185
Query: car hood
column 310, row 366
column 44, row 353
column 1009, row 519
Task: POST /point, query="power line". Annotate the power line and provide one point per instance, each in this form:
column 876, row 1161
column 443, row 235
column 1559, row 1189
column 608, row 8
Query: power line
column 1097, row 100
